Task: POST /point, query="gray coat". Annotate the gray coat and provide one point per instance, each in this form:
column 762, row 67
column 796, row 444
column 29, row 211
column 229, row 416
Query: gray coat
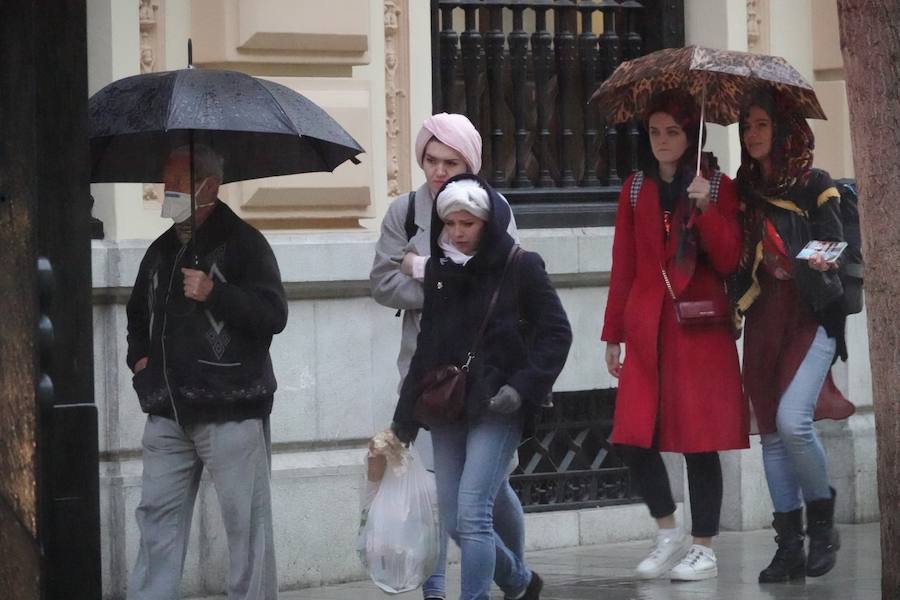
column 394, row 289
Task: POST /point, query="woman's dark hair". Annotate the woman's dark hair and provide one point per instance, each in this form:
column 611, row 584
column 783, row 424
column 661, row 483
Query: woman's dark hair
column 683, row 108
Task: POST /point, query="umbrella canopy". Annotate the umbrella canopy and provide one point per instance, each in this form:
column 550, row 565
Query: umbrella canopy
column 259, row 127
column 723, row 77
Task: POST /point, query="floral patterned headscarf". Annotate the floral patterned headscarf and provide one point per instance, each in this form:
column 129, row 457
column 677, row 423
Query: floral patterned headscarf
column 792, row 157
column 792, row 147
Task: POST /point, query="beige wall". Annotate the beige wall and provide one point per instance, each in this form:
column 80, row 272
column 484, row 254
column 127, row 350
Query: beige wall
column 833, row 148
column 335, row 57
column 805, row 32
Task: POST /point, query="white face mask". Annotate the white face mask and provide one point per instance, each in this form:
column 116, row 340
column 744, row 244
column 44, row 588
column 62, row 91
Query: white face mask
column 177, row 205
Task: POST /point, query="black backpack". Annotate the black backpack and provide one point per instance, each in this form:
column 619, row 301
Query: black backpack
column 852, row 265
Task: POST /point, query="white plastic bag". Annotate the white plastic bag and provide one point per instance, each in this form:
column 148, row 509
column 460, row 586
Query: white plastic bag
column 399, row 536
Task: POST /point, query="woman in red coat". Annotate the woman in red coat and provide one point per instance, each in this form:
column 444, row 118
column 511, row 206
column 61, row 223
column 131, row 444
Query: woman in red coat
column 677, row 235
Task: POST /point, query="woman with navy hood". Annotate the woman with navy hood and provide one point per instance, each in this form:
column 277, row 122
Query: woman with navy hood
column 521, row 352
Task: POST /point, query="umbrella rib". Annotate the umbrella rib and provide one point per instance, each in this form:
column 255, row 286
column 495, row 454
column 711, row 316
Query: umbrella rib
column 281, row 108
column 170, row 103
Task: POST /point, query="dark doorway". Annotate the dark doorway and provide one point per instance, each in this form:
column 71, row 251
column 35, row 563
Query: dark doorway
column 49, row 516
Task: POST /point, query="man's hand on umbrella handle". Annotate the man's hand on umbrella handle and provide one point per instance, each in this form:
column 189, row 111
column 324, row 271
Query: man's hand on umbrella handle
column 197, row 284
column 698, row 191
column 140, row 365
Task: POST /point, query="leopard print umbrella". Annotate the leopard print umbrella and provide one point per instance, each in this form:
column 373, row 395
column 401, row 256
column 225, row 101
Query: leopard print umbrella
column 727, row 75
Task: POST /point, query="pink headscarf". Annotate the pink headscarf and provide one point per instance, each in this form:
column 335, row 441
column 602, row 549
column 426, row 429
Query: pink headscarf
column 455, row 131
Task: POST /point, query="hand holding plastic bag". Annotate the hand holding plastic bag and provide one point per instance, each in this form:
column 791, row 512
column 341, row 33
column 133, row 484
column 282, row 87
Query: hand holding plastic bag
column 399, row 537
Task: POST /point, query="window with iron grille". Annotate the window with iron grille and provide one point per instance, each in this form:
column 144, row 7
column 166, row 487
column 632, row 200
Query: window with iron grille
column 569, row 462
column 522, row 71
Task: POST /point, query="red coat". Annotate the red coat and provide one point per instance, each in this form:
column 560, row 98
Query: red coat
column 685, row 380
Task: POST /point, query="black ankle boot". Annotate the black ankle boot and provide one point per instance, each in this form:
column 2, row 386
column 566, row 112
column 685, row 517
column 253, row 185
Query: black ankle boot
column 824, row 540
column 789, row 561
column 533, row 591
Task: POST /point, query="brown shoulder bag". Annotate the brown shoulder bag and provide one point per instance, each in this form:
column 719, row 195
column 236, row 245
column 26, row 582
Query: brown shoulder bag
column 441, row 396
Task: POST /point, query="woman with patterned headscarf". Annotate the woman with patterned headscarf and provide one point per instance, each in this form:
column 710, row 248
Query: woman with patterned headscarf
column 677, row 236
column 794, row 326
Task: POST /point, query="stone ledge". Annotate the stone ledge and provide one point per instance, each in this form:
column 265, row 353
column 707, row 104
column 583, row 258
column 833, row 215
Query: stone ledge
column 280, row 31
column 574, row 256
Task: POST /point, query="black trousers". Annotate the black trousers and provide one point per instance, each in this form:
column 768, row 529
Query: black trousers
column 704, row 484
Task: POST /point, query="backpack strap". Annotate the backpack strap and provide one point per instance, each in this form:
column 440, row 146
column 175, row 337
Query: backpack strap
column 638, row 181
column 714, row 184
column 409, row 225
column 635, row 190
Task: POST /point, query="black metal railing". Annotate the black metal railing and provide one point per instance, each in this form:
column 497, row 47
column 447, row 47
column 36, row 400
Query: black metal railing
column 523, row 71
column 569, row 463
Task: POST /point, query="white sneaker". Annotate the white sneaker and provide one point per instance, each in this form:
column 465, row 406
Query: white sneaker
column 668, row 551
column 700, row 563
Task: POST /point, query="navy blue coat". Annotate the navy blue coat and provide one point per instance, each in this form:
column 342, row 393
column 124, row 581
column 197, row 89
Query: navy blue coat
column 527, row 339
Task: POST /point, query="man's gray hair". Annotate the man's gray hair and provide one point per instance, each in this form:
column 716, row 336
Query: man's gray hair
column 207, row 162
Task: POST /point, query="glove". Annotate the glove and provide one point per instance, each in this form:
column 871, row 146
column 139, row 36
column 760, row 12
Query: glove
column 506, row 401
column 405, row 432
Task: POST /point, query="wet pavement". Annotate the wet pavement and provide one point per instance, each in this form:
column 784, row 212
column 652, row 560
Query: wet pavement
column 605, row 573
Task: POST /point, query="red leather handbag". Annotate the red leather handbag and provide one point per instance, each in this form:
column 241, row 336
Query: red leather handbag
column 695, row 313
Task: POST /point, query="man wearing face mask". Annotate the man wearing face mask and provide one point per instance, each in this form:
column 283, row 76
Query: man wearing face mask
column 198, row 343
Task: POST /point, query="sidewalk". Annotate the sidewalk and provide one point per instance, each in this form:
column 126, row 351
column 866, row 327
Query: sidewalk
column 604, row 573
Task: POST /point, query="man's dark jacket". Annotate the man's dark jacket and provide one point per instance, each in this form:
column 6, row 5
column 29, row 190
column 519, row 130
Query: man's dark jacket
column 208, row 361
column 527, row 340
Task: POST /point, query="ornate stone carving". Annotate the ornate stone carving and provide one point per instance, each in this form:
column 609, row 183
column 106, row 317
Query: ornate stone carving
column 757, row 25
column 149, row 20
column 753, row 23
column 147, row 12
column 396, row 71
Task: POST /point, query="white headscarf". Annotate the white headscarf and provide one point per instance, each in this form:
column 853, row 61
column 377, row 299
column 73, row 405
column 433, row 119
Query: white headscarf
column 467, row 195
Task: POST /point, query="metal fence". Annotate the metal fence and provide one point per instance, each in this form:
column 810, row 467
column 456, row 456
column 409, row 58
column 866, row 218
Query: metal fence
column 523, row 72
column 569, row 463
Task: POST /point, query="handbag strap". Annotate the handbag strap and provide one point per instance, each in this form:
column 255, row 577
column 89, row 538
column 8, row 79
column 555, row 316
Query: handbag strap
column 668, row 283
column 513, row 252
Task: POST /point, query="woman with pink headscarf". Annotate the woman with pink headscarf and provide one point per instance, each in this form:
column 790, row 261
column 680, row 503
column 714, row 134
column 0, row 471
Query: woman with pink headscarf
column 447, row 145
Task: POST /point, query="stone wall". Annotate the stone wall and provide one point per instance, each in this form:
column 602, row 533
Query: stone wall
column 335, row 364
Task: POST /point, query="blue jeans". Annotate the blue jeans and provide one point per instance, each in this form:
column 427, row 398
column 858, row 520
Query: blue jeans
column 471, row 462
column 509, row 523
column 793, row 457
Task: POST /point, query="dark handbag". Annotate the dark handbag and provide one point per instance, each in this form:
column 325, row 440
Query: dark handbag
column 694, row 313
column 441, row 393
column 441, row 398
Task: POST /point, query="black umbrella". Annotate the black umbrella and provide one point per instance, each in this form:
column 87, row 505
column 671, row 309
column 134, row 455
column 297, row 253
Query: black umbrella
column 260, row 128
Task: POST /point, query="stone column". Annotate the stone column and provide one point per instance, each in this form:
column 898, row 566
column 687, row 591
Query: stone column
column 396, row 75
column 151, row 17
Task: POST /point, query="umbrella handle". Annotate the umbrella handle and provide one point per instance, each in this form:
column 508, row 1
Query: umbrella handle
column 702, row 119
column 195, row 260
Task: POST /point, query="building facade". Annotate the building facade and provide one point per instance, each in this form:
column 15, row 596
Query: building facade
column 369, row 64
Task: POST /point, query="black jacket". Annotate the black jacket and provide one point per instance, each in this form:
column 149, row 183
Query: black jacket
column 819, row 218
column 207, row 361
column 526, row 341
